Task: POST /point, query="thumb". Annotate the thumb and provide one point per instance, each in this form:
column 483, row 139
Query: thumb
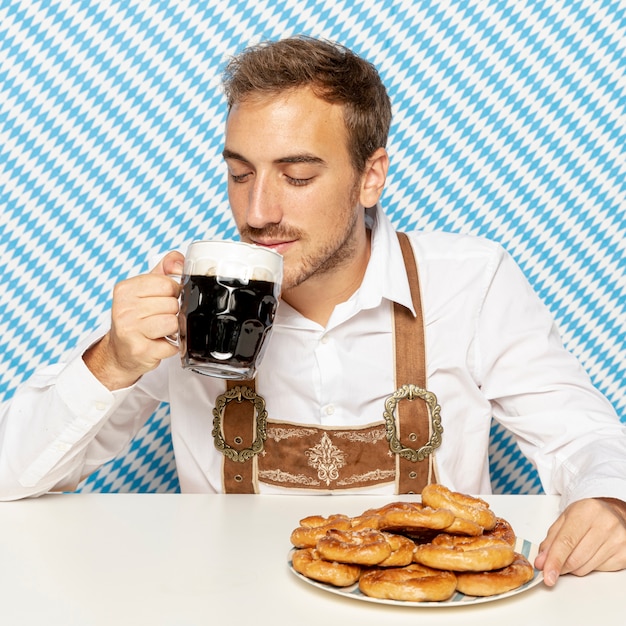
column 170, row 265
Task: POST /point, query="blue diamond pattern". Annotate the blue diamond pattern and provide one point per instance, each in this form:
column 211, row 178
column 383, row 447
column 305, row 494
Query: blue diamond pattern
column 509, row 123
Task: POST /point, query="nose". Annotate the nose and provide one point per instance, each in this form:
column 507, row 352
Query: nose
column 263, row 202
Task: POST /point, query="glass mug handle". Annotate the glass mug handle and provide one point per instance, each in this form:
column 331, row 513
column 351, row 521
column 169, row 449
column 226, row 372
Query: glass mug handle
column 173, row 339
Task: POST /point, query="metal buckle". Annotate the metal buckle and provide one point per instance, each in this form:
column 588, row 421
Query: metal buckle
column 240, row 393
column 412, row 392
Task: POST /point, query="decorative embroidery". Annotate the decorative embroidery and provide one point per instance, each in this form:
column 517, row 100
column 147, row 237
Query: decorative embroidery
column 277, row 433
column 327, row 459
column 376, row 475
column 371, row 436
column 278, row 476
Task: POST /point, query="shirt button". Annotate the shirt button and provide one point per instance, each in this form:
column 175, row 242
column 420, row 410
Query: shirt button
column 329, row 410
column 101, row 406
column 325, row 339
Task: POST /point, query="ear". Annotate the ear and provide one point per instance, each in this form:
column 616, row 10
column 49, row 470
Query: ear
column 374, row 177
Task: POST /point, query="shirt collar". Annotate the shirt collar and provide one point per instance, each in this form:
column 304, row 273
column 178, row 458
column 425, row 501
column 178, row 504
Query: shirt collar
column 385, row 276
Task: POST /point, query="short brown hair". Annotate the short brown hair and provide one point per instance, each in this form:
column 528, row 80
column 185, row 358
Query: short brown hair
column 335, row 73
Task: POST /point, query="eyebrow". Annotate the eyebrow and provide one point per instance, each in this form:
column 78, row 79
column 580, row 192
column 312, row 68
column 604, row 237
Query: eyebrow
column 295, row 158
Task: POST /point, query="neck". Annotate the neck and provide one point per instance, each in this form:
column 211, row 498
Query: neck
column 317, row 297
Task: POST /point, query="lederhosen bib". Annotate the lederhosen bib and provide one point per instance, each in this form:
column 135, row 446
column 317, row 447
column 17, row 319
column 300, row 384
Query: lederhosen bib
column 397, row 450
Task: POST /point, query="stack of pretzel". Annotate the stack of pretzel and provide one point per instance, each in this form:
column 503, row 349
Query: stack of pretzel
column 416, row 552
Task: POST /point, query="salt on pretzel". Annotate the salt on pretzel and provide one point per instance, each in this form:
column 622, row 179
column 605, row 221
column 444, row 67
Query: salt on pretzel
column 413, row 583
column 360, row 547
column 462, row 505
column 308, row 562
column 315, row 526
column 367, row 520
column 498, row 581
column 464, row 554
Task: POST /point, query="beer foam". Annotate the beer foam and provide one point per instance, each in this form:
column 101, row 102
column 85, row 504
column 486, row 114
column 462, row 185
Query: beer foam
column 231, row 259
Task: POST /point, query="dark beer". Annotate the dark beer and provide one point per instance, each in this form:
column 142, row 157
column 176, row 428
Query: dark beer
column 225, row 320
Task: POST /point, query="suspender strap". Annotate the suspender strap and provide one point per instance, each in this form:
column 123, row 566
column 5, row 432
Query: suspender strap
column 412, row 417
column 239, row 435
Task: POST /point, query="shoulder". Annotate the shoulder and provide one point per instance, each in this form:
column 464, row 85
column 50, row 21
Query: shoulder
column 463, row 266
column 441, row 245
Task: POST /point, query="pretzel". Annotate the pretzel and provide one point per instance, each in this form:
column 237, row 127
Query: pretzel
column 463, row 554
column 462, row 505
column 315, row 526
column 502, row 530
column 413, row 583
column 308, row 562
column 412, row 516
column 466, row 527
column 402, row 549
column 367, row 520
column 498, row 581
column 360, row 547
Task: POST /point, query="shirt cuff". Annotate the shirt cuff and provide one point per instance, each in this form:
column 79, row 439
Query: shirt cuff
column 611, row 487
column 84, row 395
column 89, row 403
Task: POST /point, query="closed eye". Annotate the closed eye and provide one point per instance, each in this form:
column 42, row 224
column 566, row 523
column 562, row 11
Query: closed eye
column 239, row 178
column 299, row 182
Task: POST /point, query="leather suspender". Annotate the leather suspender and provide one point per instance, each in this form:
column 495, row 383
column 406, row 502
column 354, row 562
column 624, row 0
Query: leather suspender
column 413, row 420
column 240, row 418
column 241, row 427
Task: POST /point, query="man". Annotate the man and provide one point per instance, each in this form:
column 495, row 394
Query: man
column 305, row 150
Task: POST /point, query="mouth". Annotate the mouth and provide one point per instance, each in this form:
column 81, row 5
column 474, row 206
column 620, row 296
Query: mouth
column 278, row 246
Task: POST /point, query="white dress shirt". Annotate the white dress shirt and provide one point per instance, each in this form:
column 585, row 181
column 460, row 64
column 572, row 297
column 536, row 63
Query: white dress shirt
column 491, row 350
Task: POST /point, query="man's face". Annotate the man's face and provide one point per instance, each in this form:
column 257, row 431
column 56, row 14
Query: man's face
column 291, row 183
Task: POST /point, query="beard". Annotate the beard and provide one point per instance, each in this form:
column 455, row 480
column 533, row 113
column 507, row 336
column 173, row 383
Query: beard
column 317, row 258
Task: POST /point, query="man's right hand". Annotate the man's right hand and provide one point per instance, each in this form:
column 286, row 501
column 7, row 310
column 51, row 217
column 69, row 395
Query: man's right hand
column 143, row 313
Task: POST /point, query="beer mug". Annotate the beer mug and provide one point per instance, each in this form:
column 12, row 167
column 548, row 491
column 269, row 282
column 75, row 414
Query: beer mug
column 229, row 296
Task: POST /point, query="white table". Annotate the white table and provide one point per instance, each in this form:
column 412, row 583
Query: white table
column 179, row 560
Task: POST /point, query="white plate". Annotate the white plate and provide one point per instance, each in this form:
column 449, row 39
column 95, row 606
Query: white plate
column 522, row 546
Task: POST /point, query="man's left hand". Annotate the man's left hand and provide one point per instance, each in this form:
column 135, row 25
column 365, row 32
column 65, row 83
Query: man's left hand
column 589, row 535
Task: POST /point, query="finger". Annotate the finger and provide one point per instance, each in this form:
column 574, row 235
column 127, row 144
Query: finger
column 602, row 548
column 135, row 315
column 159, row 326
column 584, row 556
column 162, row 349
column 554, row 559
column 170, row 265
column 145, row 286
column 145, row 308
column 150, row 353
column 556, row 550
column 544, row 546
column 595, row 551
column 145, row 349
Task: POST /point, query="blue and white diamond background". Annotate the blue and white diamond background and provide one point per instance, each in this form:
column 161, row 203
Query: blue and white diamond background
column 509, row 122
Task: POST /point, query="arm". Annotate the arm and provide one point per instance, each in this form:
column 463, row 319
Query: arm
column 63, row 424
column 561, row 422
column 144, row 311
column 71, row 418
